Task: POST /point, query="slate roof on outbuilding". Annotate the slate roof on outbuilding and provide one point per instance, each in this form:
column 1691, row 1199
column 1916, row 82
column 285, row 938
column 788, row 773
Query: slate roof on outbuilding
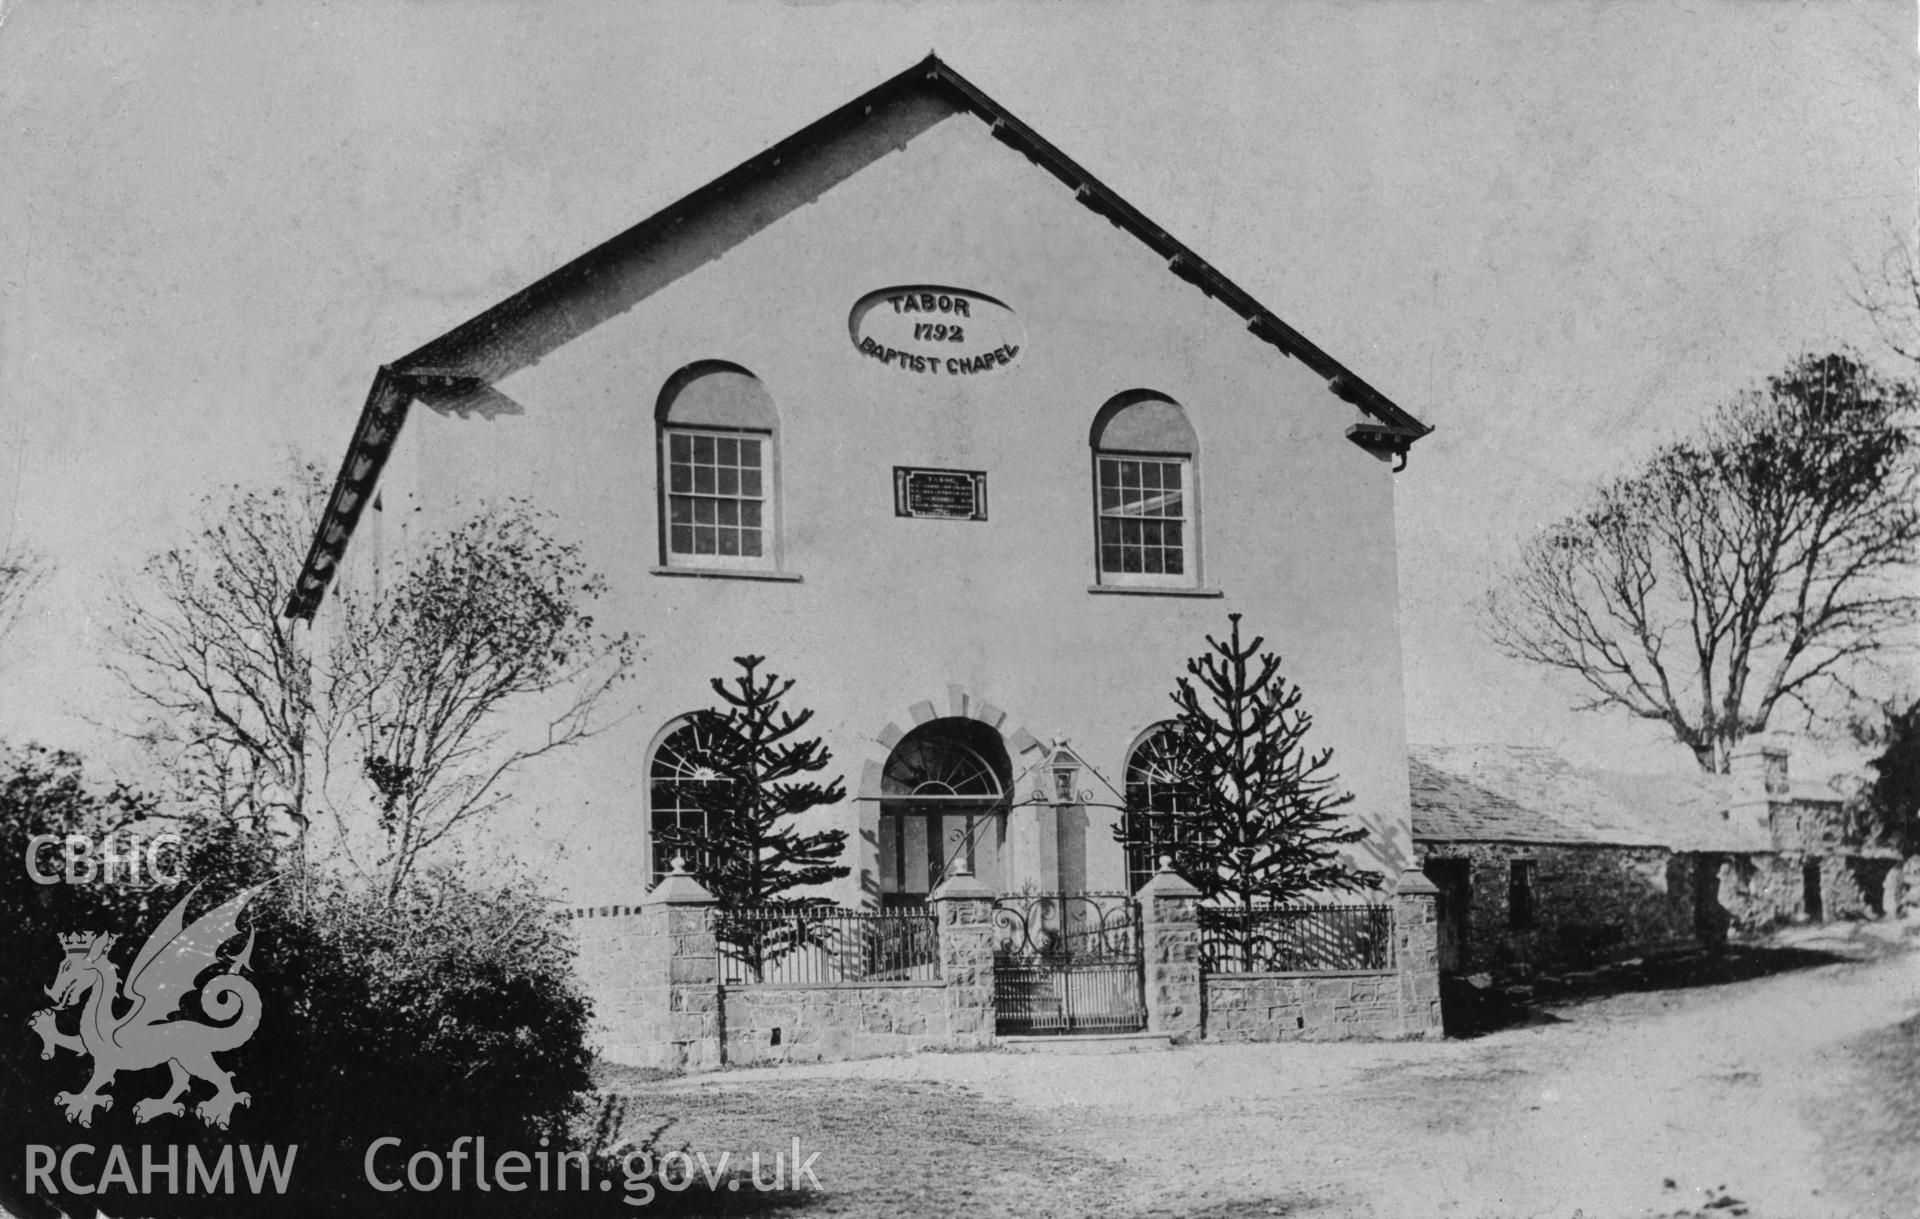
column 1690, row 812
column 1527, row 794
column 457, row 372
column 1449, row 807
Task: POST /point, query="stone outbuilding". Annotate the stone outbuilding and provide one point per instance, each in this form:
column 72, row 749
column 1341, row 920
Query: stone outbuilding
column 1538, row 863
column 1823, row 860
column 1543, row 863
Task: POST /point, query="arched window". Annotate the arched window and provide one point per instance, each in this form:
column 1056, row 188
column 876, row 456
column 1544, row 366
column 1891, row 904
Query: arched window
column 1154, row 787
column 674, row 780
column 941, row 792
column 717, row 469
column 1146, row 510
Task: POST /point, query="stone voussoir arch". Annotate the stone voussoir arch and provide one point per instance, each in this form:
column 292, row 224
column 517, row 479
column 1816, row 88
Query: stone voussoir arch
column 1024, row 749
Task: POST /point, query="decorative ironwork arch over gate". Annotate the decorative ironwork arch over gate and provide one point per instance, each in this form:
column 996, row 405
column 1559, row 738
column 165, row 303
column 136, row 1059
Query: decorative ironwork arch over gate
column 1068, row 963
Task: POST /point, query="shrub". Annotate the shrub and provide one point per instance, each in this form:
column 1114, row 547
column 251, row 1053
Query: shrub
column 451, row 1011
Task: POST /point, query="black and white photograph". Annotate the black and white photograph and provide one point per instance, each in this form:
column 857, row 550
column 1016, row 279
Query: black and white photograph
column 960, row 609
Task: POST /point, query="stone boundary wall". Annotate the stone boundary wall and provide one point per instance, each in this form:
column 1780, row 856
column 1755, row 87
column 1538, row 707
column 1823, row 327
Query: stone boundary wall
column 658, row 1002
column 652, row 973
column 827, row 1023
column 607, row 961
column 1305, row 1007
column 653, row 976
column 1395, row 1003
column 1416, row 954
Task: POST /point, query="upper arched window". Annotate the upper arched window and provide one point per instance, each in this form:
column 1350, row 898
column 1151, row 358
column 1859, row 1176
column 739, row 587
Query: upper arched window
column 1146, row 511
column 1158, row 808
column 718, row 431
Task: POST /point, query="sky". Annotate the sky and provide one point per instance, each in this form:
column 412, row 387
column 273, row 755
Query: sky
column 1559, row 232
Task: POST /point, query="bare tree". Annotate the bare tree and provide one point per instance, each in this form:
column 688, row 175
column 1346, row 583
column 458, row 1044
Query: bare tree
column 21, row 571
column 409, row 696
column 1765, row 562
column 494, row 613
column 1890, row 295
column 226, row 680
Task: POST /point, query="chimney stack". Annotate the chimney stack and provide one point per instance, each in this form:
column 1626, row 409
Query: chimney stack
column 1758, row 769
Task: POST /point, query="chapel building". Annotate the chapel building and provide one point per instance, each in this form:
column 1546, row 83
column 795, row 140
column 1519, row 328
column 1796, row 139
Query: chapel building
column 914, row 406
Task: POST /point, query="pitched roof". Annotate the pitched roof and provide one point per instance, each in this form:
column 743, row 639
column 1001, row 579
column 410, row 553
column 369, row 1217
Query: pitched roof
column 1448, row 807
column 1689, row 812
column 1524, row 794
column 457, row 371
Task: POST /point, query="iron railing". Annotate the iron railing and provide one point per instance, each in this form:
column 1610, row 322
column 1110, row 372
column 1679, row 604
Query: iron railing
column 1296, row 939
column 827, row 946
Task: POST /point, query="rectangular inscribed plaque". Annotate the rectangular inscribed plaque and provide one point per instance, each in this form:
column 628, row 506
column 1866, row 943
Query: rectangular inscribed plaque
column 948, row 495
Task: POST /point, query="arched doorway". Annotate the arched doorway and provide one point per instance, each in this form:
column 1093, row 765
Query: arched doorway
column 943, row 799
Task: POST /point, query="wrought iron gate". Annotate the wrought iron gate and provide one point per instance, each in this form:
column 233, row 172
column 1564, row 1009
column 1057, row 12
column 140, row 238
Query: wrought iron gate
column 1067, row 964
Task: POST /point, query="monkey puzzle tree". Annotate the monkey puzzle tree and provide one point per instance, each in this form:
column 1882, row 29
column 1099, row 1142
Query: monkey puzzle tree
column 1254, row 818
column 1764, row 562
column 752, row 784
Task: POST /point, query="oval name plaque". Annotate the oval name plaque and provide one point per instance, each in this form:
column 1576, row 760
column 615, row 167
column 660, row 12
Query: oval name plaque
column 936, row 332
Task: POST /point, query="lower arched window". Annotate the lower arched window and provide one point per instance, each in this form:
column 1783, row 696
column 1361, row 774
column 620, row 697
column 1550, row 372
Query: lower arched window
column 1157, row 804
column 677, row 779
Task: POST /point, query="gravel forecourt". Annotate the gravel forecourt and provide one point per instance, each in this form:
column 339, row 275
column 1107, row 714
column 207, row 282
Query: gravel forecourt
column 1789, row 1096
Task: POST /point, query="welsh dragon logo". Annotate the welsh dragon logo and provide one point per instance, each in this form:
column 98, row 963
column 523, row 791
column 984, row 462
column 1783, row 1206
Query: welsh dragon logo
column 151, row 1031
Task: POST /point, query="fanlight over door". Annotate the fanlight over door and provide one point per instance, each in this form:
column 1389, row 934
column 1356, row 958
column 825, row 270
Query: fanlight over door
column 942, row 793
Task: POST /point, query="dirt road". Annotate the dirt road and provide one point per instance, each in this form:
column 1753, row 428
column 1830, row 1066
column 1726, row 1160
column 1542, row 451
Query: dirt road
column 1795, row 1095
